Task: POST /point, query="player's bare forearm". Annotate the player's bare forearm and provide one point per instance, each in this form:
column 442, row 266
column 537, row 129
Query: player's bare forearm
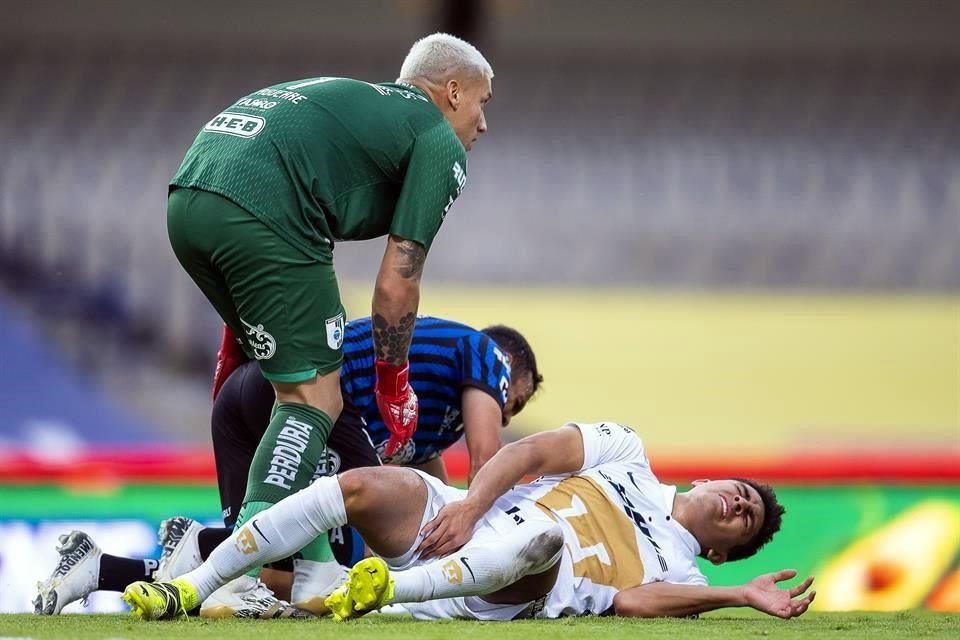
column 663, row 599
column 680, row 600
column 392, row 333
column 546, row 453
column 396, row 297
column 480, row 454
column 482, row 422
column 476, row 463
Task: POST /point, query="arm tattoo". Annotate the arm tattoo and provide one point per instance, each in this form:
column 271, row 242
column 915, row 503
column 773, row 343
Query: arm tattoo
column 412, row 257
column 392, row 342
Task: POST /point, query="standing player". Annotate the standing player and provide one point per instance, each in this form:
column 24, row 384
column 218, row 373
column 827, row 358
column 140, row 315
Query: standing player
column 596, row 533
column 471, row 383
column 267, row 188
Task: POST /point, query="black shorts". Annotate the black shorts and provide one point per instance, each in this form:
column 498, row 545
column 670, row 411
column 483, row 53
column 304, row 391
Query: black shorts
column 240, row 417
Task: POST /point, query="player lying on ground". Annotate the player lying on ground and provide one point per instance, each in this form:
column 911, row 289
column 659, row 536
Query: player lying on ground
column 596, row 533
column 470, row 382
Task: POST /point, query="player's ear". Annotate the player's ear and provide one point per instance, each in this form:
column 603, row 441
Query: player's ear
column 716, row 557
column 454, row 93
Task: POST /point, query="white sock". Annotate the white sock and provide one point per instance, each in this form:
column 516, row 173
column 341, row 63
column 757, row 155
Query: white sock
column 484, row 566
column 273, row 534
column 312, row 579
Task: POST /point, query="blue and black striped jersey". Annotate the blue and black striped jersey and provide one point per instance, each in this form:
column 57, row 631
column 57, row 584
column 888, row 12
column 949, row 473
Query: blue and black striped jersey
column 445, row 357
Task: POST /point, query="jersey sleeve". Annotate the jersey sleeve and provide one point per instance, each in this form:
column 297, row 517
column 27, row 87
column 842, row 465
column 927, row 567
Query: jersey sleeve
column 484, row 366
column 436, row 174
column 606, row 442
column 682, row 571
column 693, row 576
column 688, row 574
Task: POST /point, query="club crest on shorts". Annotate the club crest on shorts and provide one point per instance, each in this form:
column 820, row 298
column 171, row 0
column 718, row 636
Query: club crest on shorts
column 329, row 465
column 335, row 331
column 262, row 343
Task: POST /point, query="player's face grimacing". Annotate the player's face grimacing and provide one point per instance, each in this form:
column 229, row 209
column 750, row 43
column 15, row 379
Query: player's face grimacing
column 729, row 513
column 468, row 96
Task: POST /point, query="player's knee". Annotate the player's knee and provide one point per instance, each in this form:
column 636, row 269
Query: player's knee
column 319, row 393
column 359, row 491
column 334, row 405
column 375, row 491
column 352, row 484
column 543, row 548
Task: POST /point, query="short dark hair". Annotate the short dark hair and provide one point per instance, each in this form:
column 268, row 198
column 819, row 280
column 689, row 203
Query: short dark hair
column 522, row 358
column 772, row 519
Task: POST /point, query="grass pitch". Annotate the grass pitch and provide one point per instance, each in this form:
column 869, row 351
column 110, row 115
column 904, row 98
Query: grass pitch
column 720, row 625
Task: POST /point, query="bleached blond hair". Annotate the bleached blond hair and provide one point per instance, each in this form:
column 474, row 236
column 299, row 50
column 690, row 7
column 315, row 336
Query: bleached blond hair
column 438, row 55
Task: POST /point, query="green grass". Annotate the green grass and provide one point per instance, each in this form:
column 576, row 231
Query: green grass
column 720, row 625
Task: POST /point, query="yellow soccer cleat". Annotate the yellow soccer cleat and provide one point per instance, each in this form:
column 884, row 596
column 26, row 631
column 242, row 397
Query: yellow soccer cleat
column 368, row 587
column 161, row 600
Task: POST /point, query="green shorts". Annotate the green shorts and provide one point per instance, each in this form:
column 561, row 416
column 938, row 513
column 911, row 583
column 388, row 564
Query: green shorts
column 283, row 305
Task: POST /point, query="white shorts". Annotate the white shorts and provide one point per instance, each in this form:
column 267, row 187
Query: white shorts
column 503, row 519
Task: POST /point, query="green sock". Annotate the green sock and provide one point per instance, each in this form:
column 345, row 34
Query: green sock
column 319, row 550
column 286, row 461
column 248, row 510
column 288, row 454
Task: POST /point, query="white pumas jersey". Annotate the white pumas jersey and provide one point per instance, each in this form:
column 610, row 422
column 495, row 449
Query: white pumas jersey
column 617, row 528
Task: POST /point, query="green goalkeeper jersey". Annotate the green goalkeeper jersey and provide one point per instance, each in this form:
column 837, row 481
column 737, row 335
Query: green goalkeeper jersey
column 327, row 159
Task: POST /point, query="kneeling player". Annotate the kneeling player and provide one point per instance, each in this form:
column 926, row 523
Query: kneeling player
column 596, row 533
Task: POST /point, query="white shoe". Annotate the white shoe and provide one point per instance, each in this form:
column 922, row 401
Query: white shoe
column 181, row 550
column 76, row 576
column 247, row 597
column 313, row 582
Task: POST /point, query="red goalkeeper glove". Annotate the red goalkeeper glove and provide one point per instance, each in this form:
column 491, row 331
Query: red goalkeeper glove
column 229, row 357
column 397, row 403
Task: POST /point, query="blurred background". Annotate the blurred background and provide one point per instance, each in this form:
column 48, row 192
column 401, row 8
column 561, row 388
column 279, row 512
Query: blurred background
column 734, row 226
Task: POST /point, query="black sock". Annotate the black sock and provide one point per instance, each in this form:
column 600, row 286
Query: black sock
column 210, row 538
column 116, row 572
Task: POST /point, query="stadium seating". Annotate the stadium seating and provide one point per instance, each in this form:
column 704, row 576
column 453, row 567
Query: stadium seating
column 50, row 410
column 827, row 172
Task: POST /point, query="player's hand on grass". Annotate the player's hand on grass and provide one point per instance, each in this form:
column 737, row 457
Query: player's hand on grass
column 229, row 357
column 450, row 530
column 397, row 403
column 763, row 594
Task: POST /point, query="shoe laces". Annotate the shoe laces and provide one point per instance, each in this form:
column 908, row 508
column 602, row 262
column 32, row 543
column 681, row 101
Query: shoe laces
column 260, row 591
column 174, row 531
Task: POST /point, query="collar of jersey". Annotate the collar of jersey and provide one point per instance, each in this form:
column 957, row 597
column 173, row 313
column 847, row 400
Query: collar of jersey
column 669, row 495
column 410, row 87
